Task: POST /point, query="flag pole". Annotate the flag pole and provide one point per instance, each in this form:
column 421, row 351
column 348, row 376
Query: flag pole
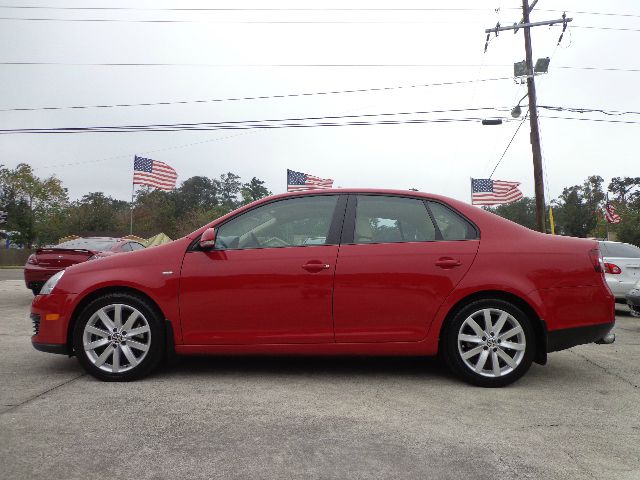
column 133, row 189
column 606, row 221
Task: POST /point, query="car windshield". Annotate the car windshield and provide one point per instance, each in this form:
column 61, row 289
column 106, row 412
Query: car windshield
column 97, row 244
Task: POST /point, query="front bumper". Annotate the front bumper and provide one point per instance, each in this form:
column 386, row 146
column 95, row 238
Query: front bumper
column 50, row 317
column 633, row 301
column 570, row 337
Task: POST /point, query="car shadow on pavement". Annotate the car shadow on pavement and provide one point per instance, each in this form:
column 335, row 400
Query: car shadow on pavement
column 405, row 367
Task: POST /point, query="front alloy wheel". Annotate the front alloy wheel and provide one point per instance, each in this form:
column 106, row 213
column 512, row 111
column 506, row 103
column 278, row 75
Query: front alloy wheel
column 490, row 343
column 119, row 337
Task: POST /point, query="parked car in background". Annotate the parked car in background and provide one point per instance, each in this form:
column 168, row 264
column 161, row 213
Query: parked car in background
column 337, row 272
column 46, row 262
column 622, row 267
column 633, row 299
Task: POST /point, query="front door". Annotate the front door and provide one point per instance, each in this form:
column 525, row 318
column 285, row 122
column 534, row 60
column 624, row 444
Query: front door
column 269, row 278
column 404, row 257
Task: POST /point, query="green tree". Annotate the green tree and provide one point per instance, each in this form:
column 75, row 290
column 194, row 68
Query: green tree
column 230, row 186
column 254, row 190
column 578, row 207
column 199, row 193
column 97, row 214
column 31, row 203
column 522, row 212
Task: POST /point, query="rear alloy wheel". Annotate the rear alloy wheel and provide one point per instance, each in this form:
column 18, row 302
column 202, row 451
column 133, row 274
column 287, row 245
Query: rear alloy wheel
column 490, row 343
column 119, row 337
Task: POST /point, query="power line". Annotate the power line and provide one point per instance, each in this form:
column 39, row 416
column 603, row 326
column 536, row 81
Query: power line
column 588, row 110
column 239, row 123
column 306, row 65
column 260, row 97
column 265, row 22
column 205, row 127
column 320, row 9
column 508, row 145
column 209, row 9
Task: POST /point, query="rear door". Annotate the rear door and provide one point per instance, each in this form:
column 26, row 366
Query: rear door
column 399, row 259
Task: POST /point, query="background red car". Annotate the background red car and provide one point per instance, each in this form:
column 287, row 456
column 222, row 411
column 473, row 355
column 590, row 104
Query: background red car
column 337, row 272
column 45, row 262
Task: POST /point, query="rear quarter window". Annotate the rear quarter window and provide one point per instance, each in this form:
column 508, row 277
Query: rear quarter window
column 452, row 225
column 620, row 250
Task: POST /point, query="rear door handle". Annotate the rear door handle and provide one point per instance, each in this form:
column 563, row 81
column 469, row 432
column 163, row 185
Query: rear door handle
column 315, row 266
column 447, row 262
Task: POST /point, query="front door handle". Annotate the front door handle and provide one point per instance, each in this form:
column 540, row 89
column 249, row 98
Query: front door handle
column 448, row 262
column 316, row 266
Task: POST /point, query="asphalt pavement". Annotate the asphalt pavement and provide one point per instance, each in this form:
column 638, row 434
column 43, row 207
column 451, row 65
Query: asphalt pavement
column 343, row 418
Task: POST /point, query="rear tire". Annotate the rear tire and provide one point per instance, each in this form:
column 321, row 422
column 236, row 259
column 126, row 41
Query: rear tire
column 119, row 337
column 36, row 290
column 489, row 343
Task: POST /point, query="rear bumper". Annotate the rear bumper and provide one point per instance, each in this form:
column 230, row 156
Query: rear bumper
column 570, row 337
column 633, row 301
column 36, row 276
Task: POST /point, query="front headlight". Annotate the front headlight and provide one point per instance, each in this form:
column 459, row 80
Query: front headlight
column 50, row 284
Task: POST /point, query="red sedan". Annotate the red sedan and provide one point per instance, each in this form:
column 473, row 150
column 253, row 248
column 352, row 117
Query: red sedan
column 341, row 272
column 47, row 261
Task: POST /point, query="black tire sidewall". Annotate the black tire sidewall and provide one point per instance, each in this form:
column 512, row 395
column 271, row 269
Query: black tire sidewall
column 157, row 331
column 455, row 361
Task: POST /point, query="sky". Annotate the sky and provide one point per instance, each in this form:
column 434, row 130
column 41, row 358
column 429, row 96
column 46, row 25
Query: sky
column 291, row 47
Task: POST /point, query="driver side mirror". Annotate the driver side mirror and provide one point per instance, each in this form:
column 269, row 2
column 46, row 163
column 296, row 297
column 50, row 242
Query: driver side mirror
column 208, row 239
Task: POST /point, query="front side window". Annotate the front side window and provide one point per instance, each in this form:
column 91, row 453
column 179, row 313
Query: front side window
column 382, row 219
column 287, row 223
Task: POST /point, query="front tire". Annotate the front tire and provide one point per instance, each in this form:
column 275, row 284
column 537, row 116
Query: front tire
column 489, row 343
column 119, row 337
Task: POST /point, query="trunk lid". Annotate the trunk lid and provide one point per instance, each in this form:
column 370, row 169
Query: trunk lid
column 62, row 257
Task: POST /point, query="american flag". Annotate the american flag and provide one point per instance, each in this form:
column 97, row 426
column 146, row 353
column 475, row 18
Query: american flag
column 485, row 191
column 610, row 214
column 153, row 173
column 298, row 181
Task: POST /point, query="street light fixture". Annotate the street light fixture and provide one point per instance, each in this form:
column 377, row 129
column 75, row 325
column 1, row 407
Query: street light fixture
column 517, row 111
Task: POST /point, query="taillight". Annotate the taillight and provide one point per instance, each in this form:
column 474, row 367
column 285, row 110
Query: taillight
column 33, row 260
column 612, row 268
column 596, row 260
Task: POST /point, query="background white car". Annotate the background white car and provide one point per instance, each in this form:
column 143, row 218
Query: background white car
column 622, row 267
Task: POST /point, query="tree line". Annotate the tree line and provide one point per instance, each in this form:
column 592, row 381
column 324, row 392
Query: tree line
column 40, row 211
column 579, row 210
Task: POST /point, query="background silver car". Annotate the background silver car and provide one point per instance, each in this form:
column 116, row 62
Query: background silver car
column 622, row 267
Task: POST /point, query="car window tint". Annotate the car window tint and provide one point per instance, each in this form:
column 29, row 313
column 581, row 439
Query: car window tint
column 451, row 225
column 382, row 219
column 622, row 250
column 294, row 222
column 136, row 246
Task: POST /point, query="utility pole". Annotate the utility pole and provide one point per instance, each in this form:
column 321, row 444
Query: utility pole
column 533, row 107
column 533, row 121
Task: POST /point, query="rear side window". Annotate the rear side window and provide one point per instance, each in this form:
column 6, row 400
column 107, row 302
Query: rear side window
column 382, row 219
column 620, row 250
column 451, row 224
column 136, row 246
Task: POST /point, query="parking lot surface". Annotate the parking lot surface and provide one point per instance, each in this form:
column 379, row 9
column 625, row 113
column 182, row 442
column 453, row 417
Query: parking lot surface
column 578, row 417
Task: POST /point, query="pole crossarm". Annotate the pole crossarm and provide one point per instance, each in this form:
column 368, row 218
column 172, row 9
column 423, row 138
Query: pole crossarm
column 526, row 25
